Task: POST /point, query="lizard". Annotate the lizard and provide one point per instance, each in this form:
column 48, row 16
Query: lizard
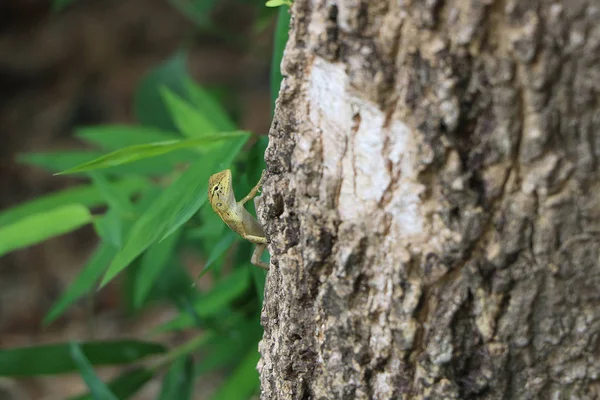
column 222, row 201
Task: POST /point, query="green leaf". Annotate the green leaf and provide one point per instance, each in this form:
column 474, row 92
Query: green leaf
column 281, row 38
column 205, row 231
column 218, row 250
column 179, row 380
column 277, row 3
column 152, row 262
column 210, row 230
column 174, row 207
column 189, row 121
column 41, row 226
column 220, row 159
column 243, row 381
column 110, row 228
column 211, row 108
column 116, row 199
column 87, row 195
column 213, row 302
column 83, row 283
column 56, row 162
column 97, row 387
column 225, row 350
column 52, row 359
column 148, row 103
column 124, row 385
column 138, row 152
column 174, row 284
column 113, row 137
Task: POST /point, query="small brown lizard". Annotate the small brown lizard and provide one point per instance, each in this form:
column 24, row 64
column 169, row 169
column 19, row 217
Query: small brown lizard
column 222, row 200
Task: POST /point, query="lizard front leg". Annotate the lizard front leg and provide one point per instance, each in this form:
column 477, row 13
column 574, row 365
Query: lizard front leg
column 254, row 190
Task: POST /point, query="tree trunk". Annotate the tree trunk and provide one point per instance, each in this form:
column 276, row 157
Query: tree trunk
column 433, row 202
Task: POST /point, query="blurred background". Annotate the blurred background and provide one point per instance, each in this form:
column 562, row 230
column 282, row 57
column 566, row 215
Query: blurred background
column 71, row 64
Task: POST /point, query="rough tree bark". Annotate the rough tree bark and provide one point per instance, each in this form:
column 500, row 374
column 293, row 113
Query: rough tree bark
column 433, row 202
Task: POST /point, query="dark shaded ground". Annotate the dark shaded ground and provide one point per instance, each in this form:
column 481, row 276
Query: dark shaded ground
column 81, row 67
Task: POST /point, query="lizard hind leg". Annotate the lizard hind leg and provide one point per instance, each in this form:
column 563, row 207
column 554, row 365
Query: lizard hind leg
column 255, row 259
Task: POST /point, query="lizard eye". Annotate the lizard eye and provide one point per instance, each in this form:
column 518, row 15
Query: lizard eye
column 219, row 204
column 215, row 188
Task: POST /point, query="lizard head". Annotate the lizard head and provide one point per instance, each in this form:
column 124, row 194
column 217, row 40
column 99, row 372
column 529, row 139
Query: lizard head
column 220, row 191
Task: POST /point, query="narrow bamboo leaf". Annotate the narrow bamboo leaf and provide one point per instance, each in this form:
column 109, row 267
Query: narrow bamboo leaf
column 205, row 102
column 281, row 38
column 186, row 192
column 220, row 323
column 52, row 359
column 147, row 198
column 171, row 209
column 277, row 3
column 97, row 388
column 57, row 162
column 205, row 231
column 221, row 158
column 138, row 152
column 111, row 228
column 125, row 385
column 173, row 284
column 185, row 305
column 243, row 381
column 190, row 122
column 87, row 195
column 218, row 250
column 149, row 107
column 41, row 226
column 210, row 231
column 114, row 137
column 116, row 199
column 152, row 262
column 179, row 380
column 224, row 350
column 213, row 302
column 83, row 283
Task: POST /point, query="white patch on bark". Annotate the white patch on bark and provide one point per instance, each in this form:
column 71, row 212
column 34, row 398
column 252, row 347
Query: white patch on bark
column 358, row 147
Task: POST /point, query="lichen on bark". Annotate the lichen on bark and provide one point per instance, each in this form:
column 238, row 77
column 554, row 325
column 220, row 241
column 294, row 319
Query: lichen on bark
column 432, row 203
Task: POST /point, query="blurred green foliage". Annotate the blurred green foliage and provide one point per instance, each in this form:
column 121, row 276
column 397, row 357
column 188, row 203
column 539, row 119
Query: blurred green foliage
column 150, row 181
column 278, row 3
